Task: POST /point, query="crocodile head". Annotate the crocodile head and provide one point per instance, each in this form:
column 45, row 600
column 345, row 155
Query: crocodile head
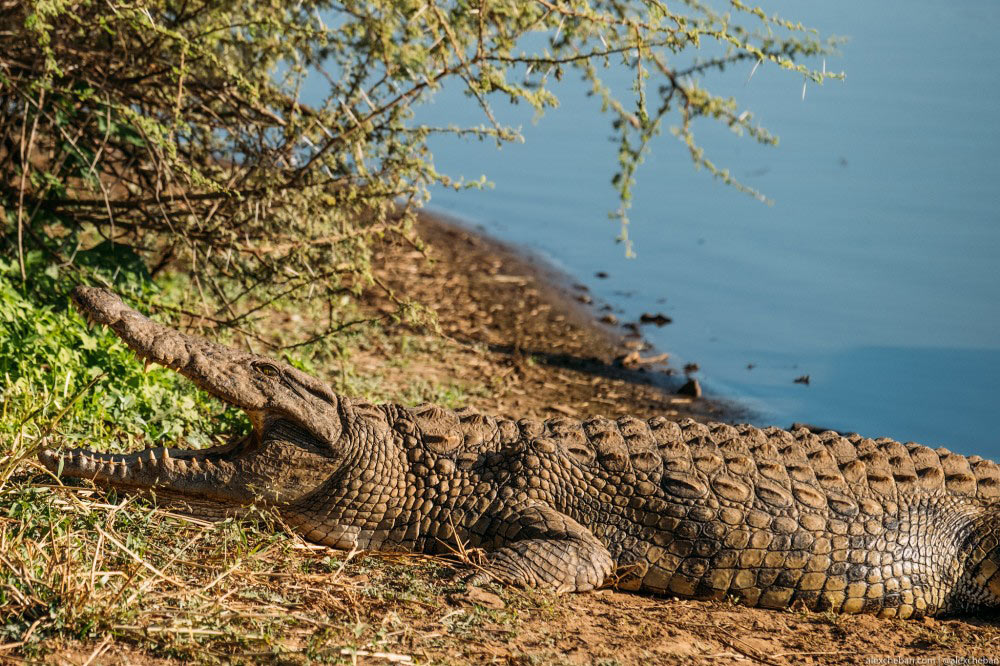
column 297, row 420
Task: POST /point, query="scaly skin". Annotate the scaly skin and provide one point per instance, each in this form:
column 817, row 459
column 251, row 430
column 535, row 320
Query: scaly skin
column 707, row 511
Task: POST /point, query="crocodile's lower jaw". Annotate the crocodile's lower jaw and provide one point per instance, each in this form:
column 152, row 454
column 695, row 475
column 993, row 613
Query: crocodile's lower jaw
column 194, row 473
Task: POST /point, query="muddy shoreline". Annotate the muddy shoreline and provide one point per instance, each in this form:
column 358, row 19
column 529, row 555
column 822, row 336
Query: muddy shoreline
column 529, row 332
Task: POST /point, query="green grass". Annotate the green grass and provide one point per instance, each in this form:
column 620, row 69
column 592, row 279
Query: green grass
column 59, row 378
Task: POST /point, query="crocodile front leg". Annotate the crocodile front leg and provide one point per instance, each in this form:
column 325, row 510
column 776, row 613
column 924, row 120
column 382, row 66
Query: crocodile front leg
column 540, row 547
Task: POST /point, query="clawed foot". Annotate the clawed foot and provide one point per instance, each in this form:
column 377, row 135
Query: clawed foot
column 474, row 576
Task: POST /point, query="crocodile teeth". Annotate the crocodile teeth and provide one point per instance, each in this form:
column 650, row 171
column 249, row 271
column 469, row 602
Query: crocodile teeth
column 145, row 364
column 84, row 462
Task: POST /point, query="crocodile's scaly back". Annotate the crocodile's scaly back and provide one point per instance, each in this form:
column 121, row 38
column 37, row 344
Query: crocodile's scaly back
column 770, row 517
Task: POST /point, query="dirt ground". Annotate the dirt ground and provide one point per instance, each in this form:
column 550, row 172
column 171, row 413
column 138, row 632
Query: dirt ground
column 519, row 341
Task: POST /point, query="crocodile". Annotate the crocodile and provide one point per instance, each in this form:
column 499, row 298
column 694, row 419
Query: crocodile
column 769, row 517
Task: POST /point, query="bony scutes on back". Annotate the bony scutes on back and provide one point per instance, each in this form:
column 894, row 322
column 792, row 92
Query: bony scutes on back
column 766, row 516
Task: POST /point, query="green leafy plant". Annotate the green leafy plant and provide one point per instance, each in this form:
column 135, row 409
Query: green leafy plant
column 59, row 374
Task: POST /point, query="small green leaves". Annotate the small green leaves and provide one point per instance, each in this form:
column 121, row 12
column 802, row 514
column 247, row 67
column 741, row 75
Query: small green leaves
column 47, row 354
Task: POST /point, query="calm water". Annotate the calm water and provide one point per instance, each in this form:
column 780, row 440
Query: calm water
column 875, row 272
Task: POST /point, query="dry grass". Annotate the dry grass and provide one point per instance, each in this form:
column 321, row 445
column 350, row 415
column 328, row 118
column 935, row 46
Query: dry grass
column 80, row 567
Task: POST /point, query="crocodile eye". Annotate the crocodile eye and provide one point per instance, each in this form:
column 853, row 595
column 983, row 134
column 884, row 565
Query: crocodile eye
column 267, row 370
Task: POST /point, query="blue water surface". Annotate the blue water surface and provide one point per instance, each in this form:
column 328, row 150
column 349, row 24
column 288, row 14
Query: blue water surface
column 875, row 272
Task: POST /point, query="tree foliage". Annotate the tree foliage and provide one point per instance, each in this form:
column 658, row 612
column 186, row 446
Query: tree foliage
column 178, row 128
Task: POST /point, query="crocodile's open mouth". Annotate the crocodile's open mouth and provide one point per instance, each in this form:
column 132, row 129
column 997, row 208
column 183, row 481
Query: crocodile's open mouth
column 294, row 416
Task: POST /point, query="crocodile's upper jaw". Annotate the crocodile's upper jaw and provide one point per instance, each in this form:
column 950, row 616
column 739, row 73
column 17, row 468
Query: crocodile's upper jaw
column 296, row 418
